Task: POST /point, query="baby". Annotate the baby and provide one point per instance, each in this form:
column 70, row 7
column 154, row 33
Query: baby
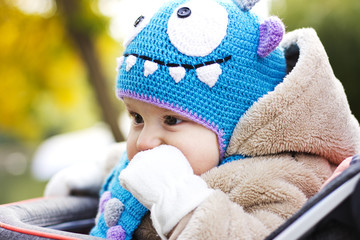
column 231, row 133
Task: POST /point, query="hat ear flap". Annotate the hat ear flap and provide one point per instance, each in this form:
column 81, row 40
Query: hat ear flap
column 271, row 33
column 246, row 5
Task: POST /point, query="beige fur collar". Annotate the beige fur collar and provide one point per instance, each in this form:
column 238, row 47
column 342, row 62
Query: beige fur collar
column 308, row 112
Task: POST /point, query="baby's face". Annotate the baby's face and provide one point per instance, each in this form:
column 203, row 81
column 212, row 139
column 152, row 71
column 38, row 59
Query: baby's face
column 152, row 126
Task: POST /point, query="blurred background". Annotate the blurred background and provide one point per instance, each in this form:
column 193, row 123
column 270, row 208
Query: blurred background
column 57, row 72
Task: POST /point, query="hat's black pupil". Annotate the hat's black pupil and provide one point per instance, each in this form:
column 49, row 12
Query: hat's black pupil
column 138, row 21
column 184, row 12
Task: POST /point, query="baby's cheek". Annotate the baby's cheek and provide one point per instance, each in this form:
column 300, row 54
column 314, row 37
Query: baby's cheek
column 203, row 164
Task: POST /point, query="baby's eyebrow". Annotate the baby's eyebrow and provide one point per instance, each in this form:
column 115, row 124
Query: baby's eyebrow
column 128, row 105
column 129, row 109
column 169, row 112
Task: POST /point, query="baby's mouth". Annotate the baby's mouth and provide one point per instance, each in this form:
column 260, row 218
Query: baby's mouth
column 207, row 72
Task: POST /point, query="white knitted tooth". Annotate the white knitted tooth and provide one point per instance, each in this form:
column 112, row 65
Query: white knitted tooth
column 177, row 73
column 119, row 62
column 209, row 74
column 150, row 68
column 130, row 62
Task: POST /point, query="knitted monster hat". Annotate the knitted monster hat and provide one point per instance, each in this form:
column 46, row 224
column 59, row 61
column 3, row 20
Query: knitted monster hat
column 208, row 60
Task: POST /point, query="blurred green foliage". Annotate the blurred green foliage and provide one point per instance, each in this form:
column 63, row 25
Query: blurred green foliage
column 44, row 89
column 336, row 23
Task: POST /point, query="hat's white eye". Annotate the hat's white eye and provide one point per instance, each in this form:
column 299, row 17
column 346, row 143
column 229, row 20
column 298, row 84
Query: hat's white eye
column 197, row 27
column 139, row 25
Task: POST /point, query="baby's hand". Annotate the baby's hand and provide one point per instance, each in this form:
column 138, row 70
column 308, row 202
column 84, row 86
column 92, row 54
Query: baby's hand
column 163, row 181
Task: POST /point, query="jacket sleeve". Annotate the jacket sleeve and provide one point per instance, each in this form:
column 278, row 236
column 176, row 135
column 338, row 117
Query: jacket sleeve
column 253, row 197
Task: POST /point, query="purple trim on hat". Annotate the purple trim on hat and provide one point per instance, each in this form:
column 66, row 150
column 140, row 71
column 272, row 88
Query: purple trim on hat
column 184, row 112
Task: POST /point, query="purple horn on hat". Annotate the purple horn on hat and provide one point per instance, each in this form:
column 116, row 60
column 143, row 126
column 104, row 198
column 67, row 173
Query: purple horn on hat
column 271, row 34
column 246, row 5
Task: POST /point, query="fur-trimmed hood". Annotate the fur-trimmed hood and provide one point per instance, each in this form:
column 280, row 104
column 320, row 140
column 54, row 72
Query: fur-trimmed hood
column 308, row 112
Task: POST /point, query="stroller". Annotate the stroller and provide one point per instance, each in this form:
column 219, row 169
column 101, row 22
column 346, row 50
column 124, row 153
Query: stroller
column 333, row 213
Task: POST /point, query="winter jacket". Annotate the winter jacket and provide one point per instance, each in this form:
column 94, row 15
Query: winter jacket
column 294, row 137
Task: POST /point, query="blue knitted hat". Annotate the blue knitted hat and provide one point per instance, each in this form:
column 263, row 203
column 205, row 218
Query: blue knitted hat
column 208, row 60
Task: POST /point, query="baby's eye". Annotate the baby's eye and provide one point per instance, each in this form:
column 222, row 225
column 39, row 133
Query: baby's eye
column 171, row 120
column 137, row 118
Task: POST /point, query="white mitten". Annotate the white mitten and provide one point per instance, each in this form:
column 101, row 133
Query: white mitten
column 77, row 178
column 163, row 181
column 84, row 178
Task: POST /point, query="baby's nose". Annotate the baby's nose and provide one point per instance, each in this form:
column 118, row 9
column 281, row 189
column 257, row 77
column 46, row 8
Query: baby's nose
column 148, row 139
